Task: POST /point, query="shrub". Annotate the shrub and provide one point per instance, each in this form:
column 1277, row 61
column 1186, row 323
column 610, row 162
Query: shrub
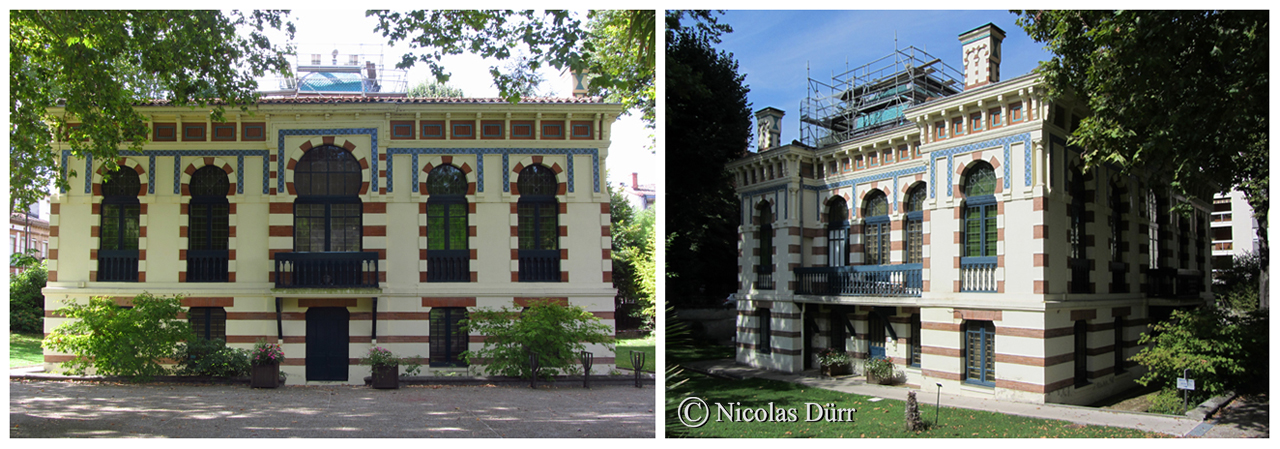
column 879, row 368
column 266, row 353
column 211, row 358
column 557, row 333
column 1168, row 402
column 1236, row 288
column 1222, row 351
column 829, row 357
column 26, row 301
column 117, row 341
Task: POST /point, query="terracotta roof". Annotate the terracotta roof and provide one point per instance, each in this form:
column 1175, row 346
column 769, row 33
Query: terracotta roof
column 358, row 99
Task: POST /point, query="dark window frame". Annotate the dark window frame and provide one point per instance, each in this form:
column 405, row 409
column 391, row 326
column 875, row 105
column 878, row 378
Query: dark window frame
column 340, row 167
column 203, row 320
column 451, row 337
column 538, row 225
column 118, row 242
column 765, row 328
column 982, row 333
column 448, row 254
column 837, row 232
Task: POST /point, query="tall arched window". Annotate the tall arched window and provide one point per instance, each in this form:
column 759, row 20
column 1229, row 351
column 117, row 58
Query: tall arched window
column 327, row 213
column 978, row 255
column 448, row 257
column 538, row 225
column 764, row 269
column 118, row 236
column 1078, row 257
column 1154, row 218
column 207, row 226
column 837, row 232
column 875, row 229
column 914, row 207
column 1116, row 243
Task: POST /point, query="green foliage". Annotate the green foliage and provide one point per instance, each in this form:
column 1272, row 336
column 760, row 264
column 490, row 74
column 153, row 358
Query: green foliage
column 830, row 357
column 1169, row 401
column 1222, row 351
column 117, row 341
column 380, row 356
column 211, row 358
column 879, row 367
column 266, row 353
column 26, row 301
column 1181, row 96
column 434, row 89
column 616, row 48
column 557, row 333
column 98, row 64
column 1237, row 287
column 708, row 121
column 635, row 266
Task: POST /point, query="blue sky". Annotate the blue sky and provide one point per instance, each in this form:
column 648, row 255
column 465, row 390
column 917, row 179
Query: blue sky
column 772, row 47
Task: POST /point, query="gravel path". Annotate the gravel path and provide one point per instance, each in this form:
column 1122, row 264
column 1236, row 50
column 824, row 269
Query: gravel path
column 43, row 409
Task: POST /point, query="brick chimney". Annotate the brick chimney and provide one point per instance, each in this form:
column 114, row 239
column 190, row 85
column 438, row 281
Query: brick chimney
column 981, row 48
column 635, row 180
column 768, row 128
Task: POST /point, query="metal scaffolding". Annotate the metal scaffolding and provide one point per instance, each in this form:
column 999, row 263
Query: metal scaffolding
column 872, row 97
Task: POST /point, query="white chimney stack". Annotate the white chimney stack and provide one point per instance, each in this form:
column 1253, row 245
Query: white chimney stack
column 981, row 47
column 768, row 128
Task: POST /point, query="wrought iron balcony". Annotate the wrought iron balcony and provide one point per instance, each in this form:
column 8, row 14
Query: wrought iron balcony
column 452, row 266
column 1080, row 276
column 539, row 265
column 207, row 265
column 1174, row 283
column 118, row 265
column 860, row 280
column 327, row 270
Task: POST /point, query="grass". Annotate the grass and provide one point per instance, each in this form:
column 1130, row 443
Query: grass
column 880, row 419
column 24, row 350
column 645, row 345
column 694, row 351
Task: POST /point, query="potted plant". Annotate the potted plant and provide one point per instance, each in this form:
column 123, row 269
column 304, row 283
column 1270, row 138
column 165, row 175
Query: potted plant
column 835, row 362
column 265, row 359
column 879, row 371
column 386, row 367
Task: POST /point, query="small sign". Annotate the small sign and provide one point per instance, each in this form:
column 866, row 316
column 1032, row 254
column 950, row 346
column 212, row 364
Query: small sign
column 1186, row 384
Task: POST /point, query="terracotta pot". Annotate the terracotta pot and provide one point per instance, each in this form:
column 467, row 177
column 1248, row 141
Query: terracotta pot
column 386, row 377
column 265, row 376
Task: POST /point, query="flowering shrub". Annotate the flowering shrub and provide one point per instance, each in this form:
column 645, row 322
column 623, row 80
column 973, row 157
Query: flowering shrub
column 266, row 353
column 831, row 357
column 379, row 356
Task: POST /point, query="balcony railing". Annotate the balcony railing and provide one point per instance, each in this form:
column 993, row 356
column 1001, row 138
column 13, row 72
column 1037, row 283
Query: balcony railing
column 1174, row 283
column 118, row 265
column 1080, row 276
column 539, row 265
column 1119, row 277
column 860, row 280
column 764, row 280
column 449, row 265
column 207, row 265
column 327, row 270
column 978, row 274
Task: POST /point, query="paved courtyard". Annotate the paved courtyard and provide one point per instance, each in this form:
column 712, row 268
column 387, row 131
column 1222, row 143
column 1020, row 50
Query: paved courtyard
column 43, row 409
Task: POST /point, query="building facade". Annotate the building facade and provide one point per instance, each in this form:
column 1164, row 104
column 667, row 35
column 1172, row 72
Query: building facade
column 954, row 232
column 334, row 221
column 1235, row 230
column 29, row 234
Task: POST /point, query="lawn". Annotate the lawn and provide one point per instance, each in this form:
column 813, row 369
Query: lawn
column 690, row 352
column 878, row 419
column 645, row 345
column 24, row 350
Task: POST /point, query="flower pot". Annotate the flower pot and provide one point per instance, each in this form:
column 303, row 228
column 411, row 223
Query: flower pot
column 837, row 370
column 873, row 379
column 386, row 376
column 265, row 376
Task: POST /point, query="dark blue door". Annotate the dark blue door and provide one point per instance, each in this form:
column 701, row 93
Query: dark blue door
column 327, row 338
column 875, row 336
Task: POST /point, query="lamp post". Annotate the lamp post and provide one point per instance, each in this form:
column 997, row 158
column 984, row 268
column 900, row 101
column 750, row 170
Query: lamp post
column 937, row 405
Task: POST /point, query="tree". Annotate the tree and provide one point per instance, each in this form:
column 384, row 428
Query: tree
column 435, row 89
column 634, row 261
column 616, row 47
column 1221, row 350
column 99, row 64
column 118, row 341
column 1178, row 98
column 708, row 125
column 556, row 333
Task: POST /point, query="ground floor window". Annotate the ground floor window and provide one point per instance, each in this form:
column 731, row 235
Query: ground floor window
column 1081, row 353
column 980, row 352
column 1119, row 345
column 208, row 323
column 448, row 336
column 764, row 316
column 915, row 340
